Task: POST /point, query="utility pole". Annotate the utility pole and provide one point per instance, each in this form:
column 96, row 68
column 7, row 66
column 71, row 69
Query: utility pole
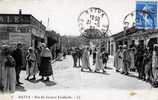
column 48, row 23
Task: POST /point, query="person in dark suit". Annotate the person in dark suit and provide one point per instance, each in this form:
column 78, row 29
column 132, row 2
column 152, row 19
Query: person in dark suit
column 74, row 56
column 140, row 61
column 94, row 56
column 105, row 57
column 17, row 55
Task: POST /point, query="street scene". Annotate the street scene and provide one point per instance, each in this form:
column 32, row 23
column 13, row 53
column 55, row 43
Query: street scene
column 69, row 77
column 97, row 46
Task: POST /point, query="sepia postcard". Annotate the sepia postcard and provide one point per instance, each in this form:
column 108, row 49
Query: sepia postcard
column 78, row 49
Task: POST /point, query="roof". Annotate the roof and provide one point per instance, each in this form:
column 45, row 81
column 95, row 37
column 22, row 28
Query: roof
column 130, row 31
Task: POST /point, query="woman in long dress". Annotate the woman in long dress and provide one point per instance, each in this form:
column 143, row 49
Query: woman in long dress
column 99, row 62
column 45, row 64
column 9, row 75
column 85, row 60
column 31, row 66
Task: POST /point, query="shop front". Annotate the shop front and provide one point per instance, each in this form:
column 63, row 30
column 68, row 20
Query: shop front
column 21, row 28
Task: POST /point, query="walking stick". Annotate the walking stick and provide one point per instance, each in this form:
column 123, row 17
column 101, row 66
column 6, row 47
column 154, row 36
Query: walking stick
column 52, row 71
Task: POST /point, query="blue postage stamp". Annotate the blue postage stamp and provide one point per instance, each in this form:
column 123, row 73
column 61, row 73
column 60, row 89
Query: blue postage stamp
column 146, row 14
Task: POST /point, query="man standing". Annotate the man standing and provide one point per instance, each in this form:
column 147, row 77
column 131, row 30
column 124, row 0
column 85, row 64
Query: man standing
column 126, row 60
column 79, row 53
column 105, row 57
column 118, row 62
column 85, row 60
column 139, row 61
column 74, row 56
column 94, row 55
column 17, row 55
column 155, row 66
column 99, row 62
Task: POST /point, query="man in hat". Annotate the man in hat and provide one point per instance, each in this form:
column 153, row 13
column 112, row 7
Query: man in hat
column 17, row 55
column 126, row 60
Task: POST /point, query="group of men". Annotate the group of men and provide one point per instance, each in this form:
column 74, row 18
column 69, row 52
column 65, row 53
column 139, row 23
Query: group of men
column 100, row 57
column 38, row 61
column 138, row 58
column 122, row 60
column 77, row 55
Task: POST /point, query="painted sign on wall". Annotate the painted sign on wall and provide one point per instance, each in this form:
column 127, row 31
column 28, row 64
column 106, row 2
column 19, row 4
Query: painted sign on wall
column 14, row 19
column 146, row 14
column 25, row 38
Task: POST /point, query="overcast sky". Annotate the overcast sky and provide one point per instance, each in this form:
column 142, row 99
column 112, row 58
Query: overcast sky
column 63, row 14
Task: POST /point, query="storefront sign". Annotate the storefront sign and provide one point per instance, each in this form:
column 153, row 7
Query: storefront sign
column 25, row 38
column 14, row 19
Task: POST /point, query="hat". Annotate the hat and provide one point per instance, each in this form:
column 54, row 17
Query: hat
column 19, row 43
column 124, row 46
column 5, row 49
column 43, row 44
column 155, row 45
column 30, row 48
column 5, row 46
column 120, row 46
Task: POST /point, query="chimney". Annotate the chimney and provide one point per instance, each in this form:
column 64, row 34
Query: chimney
column 20, row 11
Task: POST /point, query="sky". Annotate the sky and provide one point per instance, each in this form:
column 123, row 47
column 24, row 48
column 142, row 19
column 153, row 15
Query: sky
column 63, row 14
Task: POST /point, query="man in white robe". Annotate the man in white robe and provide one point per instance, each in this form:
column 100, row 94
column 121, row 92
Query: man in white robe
column 99, row 62
column 118, row 59
column 155, row 65
column 85, row 60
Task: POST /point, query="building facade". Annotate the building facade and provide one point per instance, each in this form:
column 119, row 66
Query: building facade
column 133, row 36
column 22, row 28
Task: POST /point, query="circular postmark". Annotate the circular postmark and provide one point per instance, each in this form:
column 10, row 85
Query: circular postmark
column 93, row 23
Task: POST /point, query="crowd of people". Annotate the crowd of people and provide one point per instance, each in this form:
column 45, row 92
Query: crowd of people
column 38, row 61
column 140, row 59
column 100, row 58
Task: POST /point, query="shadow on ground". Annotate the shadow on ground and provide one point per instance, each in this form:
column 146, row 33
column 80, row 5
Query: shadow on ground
column 34, row 81
column 20, row 88
column 77, row 67
column 49, row 83
column 131, row 75
column 108, row 68
column 105, row 73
